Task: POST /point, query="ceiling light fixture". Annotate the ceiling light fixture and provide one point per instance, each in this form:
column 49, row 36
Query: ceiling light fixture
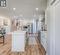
column 14, row 9
column 37, row 9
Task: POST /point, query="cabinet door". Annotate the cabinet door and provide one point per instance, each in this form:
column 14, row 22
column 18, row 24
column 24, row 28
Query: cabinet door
column 18, row 41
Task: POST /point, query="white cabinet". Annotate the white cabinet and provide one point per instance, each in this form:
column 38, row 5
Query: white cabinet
column 18, row 41
column 44, row 39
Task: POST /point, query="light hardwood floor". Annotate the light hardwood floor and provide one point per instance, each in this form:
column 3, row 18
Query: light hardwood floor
column 30, row 49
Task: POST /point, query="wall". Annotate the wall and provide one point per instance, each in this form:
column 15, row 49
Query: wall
column 53, row 17
column 51, row 30
column 57, row 27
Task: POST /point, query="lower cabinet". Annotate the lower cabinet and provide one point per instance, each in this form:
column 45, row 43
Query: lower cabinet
column 44, row 39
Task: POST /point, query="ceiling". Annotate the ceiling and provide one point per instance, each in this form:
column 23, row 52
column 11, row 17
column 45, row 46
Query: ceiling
column 24, row 8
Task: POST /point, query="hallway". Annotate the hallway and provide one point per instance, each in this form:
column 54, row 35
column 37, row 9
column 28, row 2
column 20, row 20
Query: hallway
column 33, row 49
column 18, row 17
column 29, row 27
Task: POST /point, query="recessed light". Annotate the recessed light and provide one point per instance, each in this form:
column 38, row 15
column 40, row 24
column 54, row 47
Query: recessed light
column 37, row 9
column 14, row 9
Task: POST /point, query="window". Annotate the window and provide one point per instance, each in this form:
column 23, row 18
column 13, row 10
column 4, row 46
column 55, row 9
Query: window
column 2, row 3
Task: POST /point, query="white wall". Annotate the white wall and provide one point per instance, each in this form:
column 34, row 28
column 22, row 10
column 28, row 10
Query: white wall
column 51, row 30
column 57, row 27
column 53, row 20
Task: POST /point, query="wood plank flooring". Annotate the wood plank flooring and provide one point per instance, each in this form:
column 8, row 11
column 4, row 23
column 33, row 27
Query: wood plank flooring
column 30, row 49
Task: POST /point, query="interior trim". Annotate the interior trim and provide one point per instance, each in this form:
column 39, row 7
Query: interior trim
column 53, row 2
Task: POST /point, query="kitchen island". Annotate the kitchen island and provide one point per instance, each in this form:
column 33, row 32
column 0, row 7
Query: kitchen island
column 18, row 41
